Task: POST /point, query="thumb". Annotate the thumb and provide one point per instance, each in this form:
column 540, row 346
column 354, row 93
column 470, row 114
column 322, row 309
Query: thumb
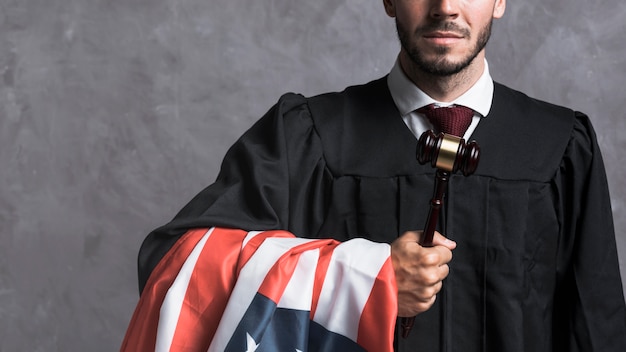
column 441, row 240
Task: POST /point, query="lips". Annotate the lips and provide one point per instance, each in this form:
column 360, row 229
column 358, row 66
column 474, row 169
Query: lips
column 443, row 38
column 444, row 35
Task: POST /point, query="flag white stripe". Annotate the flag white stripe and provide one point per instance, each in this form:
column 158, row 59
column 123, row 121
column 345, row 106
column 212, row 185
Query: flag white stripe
column 248, row 282
column 170, row 310
column 353, row 269
column 299, row 291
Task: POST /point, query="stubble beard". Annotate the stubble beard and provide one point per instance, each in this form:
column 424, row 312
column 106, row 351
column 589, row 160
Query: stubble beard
column 441, row 66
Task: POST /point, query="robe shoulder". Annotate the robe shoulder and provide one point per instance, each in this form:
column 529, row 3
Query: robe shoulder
column 362, row 132
column 358, row 129
column 523, row 138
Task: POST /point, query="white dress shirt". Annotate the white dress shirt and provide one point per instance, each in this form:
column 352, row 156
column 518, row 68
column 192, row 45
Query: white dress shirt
column 408, row 98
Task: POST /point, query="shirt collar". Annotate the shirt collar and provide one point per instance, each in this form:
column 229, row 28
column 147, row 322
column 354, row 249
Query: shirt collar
column 408, row 97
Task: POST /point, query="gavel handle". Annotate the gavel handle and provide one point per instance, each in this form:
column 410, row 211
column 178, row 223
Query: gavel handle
column 436, row 203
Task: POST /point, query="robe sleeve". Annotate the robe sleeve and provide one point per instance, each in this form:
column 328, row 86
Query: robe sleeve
column 256, row 186
column 589, row 312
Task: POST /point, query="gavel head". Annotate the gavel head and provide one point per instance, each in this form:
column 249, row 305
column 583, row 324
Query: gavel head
column 447, row 152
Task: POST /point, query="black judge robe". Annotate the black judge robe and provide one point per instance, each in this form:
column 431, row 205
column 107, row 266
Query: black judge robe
column 536, row 265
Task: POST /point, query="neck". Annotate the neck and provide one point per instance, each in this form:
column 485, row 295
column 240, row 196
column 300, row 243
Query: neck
column 444, row 88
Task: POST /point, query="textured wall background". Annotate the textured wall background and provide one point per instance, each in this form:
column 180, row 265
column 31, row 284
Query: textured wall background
column 114, row 113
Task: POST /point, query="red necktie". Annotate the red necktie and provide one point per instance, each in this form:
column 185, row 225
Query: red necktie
column 452, row 120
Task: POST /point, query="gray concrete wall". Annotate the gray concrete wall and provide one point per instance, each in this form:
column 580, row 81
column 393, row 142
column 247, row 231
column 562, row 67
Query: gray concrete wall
column 114, row 113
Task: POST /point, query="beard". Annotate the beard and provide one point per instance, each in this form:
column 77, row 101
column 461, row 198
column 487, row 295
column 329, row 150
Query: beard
column 440, row 65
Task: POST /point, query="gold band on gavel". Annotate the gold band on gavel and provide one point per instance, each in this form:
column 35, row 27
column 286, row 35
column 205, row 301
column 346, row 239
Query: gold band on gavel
column 447, row 152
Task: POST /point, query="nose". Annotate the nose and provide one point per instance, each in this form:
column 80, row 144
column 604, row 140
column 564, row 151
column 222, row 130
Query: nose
column 444, row 9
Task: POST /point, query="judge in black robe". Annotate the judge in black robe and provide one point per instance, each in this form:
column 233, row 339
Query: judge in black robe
column 535, row 268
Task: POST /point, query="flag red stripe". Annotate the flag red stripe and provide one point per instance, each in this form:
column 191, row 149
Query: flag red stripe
column 209, row 288
column 284, row 267
column 250, row 248
column 320, row 274
column 142, row 329
column 377, row 324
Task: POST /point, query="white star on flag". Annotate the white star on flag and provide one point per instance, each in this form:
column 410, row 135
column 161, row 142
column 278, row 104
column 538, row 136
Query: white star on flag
column 252, row 345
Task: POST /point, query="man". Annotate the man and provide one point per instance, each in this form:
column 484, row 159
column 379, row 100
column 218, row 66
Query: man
column 535, row 264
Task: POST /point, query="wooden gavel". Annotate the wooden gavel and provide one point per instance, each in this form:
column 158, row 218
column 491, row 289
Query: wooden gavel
column 448, row 154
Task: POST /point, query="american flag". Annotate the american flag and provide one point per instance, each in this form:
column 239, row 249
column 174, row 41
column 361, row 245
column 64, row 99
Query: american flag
column 231, row 290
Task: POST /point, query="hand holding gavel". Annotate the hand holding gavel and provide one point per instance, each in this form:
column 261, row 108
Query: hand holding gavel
column 448, row 154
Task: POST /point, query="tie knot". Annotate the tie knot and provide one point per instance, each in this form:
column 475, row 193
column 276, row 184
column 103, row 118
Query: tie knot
column 452, row 120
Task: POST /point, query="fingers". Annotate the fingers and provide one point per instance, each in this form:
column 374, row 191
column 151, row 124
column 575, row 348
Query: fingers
column 419, row 271
column 413, row 303
column 415, row 308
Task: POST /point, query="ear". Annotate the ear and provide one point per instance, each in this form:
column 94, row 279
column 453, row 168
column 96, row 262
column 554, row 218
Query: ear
column 498, row 9
column 390, row 8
